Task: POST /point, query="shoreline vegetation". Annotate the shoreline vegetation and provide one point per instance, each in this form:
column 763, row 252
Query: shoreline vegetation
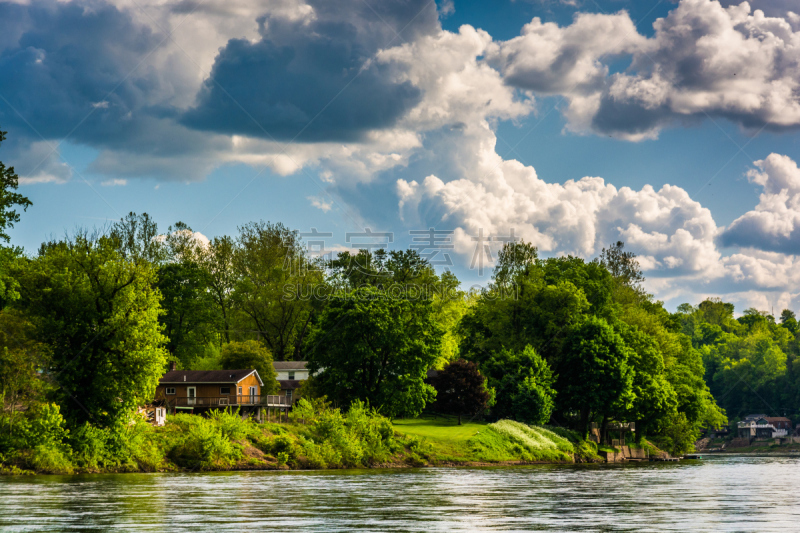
column 316, row 437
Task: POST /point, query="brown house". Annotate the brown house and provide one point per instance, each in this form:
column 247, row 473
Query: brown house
column 780, row 422
column 198, row 390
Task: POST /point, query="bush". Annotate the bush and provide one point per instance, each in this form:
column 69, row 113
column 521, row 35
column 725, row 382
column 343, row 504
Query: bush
column 48, row 459
column 334, row 440
column 90, row 447
column 203, row 446
column 231, row 424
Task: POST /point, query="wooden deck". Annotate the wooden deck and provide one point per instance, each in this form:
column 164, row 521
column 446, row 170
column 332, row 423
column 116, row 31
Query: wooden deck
column 272, row 401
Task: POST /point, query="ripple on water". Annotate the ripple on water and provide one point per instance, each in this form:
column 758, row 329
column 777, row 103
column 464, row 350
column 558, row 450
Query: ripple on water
column 716, row 494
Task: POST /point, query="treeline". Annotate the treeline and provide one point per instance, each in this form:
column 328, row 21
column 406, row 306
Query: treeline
column 90, row 321
column 752, row 363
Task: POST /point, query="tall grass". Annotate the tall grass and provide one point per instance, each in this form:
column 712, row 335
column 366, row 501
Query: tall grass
column 508, row 440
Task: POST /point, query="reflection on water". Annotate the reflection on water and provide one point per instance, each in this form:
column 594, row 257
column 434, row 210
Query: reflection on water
column 715, row 494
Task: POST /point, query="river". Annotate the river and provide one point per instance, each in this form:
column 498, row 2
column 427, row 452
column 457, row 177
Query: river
column 732, row 493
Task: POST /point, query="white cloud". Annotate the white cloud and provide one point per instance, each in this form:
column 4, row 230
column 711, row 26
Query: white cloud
column 320, row 203
column 674, row 234
column 703, row 60
column 775, row 222
column 116, row 182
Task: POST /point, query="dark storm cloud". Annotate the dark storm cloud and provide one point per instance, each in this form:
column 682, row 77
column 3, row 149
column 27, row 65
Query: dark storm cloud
column 314, row 75
column 70, row 61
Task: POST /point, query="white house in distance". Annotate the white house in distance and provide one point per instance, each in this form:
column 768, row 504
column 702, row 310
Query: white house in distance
column 290, row 375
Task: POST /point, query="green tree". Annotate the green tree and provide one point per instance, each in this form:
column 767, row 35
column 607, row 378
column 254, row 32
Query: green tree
column 460, row 389
column 251, row 354
column 22, row 387
column 274, row 283
column 217, row 260
column 523, row 382
column 189, row 317
column 136, row 238
column 594, row 377
column 622, row 265
column 9, row 198
column 98, row 315
column 370, row 347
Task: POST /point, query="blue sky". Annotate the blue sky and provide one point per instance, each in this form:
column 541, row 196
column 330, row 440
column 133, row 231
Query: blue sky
column 400, row 115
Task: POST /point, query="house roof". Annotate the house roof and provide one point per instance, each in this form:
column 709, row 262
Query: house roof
column 772, row 419
column 208, row 376
column 289, row 365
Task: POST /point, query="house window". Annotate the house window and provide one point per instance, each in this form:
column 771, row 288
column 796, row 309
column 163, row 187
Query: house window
column 291, row 375
column 224, row 390
column 289, row 396
column 170, row 390
column 240, row 391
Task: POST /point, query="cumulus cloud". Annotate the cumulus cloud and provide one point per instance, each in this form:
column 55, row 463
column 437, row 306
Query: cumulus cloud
column 312, row 78
column 774, row 224
column 673, row 234
column 703, row 60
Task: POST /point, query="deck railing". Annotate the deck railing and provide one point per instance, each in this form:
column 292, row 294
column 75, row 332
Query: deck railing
column 269, row 400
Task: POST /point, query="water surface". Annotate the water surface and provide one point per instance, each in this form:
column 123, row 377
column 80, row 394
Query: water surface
column 714, row 494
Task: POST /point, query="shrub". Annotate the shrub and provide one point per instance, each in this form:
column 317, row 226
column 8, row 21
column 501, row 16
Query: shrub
column 90, row 447
column 231, row 424
column 204, row 446
column 48, row 459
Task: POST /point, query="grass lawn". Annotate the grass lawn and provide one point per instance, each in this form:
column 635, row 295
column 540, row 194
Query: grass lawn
column 440, row 429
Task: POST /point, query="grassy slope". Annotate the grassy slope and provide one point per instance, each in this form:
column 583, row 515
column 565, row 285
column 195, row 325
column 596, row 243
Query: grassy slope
column 504, row 441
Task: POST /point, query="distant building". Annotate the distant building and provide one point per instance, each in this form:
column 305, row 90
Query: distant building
column 764, row 427
column 290, row 375
column 782, row 425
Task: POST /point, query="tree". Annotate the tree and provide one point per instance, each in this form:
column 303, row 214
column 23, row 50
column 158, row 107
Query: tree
column 217, row 262
column 136, row 238
column 513, row 259
column 21, row 360
column 374, row 348
column 9, row 198
column 789, row 321
column 9, row 182
column 98, row 315
column 460, row 389
column 622, row 265
column 273, row 275
column 524, row 386
column 594, row 377
column 189, row 317
column 251, row 354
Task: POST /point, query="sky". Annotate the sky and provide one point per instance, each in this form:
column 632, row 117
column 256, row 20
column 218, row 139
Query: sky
column 449, row 126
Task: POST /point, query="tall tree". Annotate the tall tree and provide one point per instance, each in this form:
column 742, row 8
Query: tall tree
column 523, row 382
column 217, row 261
column 594, row 378
column 136, row 238
column 274, row 281
column 9, row 201
column 377, row 349
column 98, row 315
column 189, row 317
column 622, row 265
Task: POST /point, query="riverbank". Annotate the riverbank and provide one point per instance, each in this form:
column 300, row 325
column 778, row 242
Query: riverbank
column 323, row 440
